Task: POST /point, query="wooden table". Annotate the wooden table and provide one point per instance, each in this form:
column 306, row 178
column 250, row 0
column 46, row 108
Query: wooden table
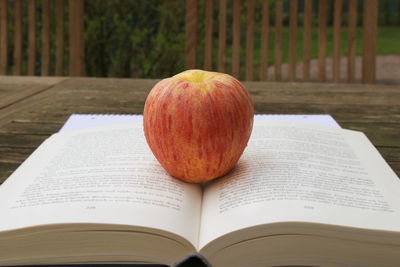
column 32, row 108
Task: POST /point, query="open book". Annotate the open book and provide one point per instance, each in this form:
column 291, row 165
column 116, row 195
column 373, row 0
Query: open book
column 300, row 195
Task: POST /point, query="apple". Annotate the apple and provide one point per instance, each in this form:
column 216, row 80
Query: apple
column 197, row 124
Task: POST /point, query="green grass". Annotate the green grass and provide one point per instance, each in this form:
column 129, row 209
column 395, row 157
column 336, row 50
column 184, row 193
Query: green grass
column 388, row 42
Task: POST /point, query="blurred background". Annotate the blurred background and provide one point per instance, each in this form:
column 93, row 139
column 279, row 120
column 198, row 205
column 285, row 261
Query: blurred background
column 146, row 39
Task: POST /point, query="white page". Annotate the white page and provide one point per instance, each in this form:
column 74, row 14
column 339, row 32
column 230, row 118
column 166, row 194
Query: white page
column 102, row 175
column 295, row 172
column 82, row 121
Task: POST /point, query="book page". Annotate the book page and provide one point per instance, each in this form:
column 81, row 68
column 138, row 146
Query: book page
column 82, row 121
column 294, row 172
column 102, row 175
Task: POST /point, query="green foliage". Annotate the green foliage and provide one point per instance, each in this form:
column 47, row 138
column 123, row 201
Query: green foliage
column 125, row 38
column 134, row 38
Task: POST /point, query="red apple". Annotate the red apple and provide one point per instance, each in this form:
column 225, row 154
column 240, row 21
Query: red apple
column 197, row 124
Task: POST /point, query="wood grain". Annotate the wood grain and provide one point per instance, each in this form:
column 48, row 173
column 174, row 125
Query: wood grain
column 292, row 40
column 24, row 124
column 208, row 21
column 15, row 88
column 307, row 40
column 6, row 169
column 18, row 38
column 236, row 39
column 370, row 28
column 322, row 20
column 351, row 50
column 222, row 36
column 264, row 40
column 250, row 41
column 278, row 39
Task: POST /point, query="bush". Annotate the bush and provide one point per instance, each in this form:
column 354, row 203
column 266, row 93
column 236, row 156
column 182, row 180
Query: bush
column 134, row 38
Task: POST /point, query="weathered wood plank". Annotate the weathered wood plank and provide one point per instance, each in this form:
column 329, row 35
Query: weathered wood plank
column 390, row 153
column 14, row 155
column 6, row 169
column 208, row 34
column 222, row 36
column 18, row 38
column 292, row 40
column 386, row 136
column 250, row 41
column 370, row 29
column 264, row 41
column 135, row 87
column 14, row 89
column 342, row 113
column 338, row 112
column 236, row 39
column 27, row 141
column 34, row 128
column 395, row 166
column 307, row 40
column 352, row 28
column 372, row 109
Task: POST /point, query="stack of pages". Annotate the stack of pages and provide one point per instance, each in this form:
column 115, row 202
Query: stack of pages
column 304, row 192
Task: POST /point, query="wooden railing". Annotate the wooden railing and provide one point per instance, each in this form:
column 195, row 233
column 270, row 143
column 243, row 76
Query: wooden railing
column 24, row 61
column 370, row 10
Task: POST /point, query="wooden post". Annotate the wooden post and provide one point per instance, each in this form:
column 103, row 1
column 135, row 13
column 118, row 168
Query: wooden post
column 59, row 38
column 45, row 37
column 236, row 39
column 31, row 37
column 293, row 40
column 208, row 34
column 250, row 40
column 18, row 38
column 370, row 28
column 264, row 41
column 322, row 17
column 307, row 40
column 337, row 21
column 3, row 37
column 278, row 40
column 222, row 36
column 352, row 28
column 76, row 30
column 191, row 34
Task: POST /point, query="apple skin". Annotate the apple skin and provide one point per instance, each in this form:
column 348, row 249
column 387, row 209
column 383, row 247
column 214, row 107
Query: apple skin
column 198, row 123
